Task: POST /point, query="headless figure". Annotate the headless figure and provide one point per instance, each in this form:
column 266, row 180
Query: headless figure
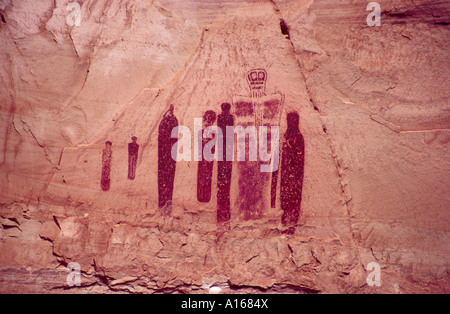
column 166, row 164
column 292, row 169
column 133, row 150
column 205, row 167
column 224, row 167
column 106, row 167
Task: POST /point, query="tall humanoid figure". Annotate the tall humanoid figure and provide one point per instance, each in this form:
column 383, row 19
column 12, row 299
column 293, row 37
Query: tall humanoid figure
column 292, row 170
column 224, row 167
column 205, row 167
column 106, row 167
column 166, row 162
column 133, row 151
column 254, row 113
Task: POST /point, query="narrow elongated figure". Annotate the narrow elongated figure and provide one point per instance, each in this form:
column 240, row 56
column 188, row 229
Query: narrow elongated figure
column 292, row 170
column 166, row 164
column 133, row 151
column 106, row 167
column 273, row 189
column 224, row 167
column 205, row 167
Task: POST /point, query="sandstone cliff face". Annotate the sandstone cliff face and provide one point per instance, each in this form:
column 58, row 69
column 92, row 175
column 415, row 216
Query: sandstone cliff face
column 374, row 113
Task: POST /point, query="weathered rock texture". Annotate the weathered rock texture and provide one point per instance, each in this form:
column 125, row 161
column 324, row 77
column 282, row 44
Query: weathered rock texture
column 374, row 112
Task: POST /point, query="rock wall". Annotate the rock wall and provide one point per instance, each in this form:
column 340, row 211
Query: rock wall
column 374, row 114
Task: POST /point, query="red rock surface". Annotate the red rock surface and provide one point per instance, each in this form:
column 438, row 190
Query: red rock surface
column 374, row 113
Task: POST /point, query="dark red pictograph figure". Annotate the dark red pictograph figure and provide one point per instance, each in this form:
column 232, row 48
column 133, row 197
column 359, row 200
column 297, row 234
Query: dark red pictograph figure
column 273, row 190
column 205, row 167
column 133, row 151
column 292, row 169
column 166, row 164
column 224, row 167
column 106, row 167
column 257, row 111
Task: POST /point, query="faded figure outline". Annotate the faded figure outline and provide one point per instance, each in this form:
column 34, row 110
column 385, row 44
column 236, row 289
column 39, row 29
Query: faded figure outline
column 166, row 164
column 106, row 167
column 133, row 152
column 292, row 172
